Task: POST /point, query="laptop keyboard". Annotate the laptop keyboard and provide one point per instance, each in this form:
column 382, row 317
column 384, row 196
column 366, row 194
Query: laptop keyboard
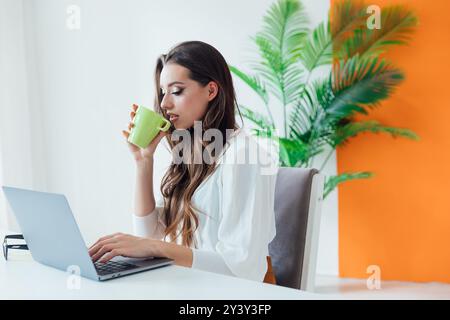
column 112, row 267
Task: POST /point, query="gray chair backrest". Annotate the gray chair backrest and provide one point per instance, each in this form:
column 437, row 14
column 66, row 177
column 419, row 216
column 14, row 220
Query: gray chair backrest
column 293, row 251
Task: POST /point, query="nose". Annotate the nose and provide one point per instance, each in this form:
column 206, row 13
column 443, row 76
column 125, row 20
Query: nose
column 166, row 103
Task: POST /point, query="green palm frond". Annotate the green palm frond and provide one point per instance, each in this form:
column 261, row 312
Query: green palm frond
column 270, row 68
column 318, row 111
column 319, row 114
column 332, row 181
column 315, row 119
column 293, row 82
column 309, row 122
column 343, row 133
column 346, row 16
column 285, row 26
column 260, row 120
column 397, row 26
column 362, row 81
column 353, row 84
column 303, row 113
column 279, row 43
column 292, row 152
column 253, row 82
column 317, row 50
column 265, row 133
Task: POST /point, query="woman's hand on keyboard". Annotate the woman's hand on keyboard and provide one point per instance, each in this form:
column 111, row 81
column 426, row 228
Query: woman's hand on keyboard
column 125, row 245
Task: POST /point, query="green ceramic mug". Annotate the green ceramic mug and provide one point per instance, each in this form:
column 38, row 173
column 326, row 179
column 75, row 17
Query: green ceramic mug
column 147, row 124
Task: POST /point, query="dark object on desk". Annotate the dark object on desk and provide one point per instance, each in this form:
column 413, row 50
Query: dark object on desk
column 7, row 246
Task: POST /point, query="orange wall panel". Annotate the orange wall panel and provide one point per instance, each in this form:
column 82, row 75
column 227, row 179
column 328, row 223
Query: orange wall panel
column 400, row 218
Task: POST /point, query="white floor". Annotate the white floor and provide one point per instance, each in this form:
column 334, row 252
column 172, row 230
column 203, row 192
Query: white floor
column 357, row 289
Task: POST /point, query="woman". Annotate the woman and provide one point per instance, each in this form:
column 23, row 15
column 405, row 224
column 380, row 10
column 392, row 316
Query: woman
column 215, row 215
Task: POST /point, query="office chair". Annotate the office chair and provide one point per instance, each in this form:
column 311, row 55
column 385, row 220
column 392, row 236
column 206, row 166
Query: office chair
column 293, row 251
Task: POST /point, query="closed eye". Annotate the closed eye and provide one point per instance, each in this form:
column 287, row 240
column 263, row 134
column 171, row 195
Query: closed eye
column 177, row 93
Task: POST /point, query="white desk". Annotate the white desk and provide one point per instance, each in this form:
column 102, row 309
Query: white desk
column 23, row 278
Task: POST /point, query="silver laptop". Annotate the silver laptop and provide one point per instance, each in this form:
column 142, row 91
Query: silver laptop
column 54, row 239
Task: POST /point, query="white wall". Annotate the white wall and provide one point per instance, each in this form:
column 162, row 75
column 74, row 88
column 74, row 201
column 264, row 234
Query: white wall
column 20, row 130
column 81, row 84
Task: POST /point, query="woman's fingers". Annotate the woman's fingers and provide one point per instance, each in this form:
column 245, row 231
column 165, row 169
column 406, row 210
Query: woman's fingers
column 108, row 247
column 134, row 149
column 126, row 134
column 101, row 248
column 95, row 249
column 105, row 238
column 134, row 108
column 122, row 245
column 94, row 252
column 109, row 236
column 130, row 125
column 113, row 253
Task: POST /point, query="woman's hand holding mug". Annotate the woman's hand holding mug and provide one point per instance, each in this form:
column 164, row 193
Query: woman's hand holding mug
column 147, row 152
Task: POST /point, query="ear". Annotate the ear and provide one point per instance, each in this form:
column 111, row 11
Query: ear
column 213, row 89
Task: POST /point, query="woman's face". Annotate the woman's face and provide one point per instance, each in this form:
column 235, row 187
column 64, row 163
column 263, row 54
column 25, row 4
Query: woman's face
column 184, row 99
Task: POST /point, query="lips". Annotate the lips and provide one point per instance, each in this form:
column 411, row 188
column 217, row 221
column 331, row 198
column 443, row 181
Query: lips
column 173, row 117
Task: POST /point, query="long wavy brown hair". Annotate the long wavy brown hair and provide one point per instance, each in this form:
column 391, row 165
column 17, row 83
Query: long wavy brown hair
column 205, row 64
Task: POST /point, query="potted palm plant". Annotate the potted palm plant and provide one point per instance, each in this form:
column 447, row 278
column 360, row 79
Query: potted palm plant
column 319, row 113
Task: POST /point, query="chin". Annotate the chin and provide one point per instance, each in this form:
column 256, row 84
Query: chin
column 182, row 125
column 179, row 126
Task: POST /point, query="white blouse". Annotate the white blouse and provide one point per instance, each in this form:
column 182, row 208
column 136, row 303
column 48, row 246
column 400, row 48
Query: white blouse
column 235, row 211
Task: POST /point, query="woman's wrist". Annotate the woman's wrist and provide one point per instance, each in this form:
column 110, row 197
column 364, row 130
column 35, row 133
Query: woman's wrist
column 143, row 163
column 181, row 255
column 144, row 198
